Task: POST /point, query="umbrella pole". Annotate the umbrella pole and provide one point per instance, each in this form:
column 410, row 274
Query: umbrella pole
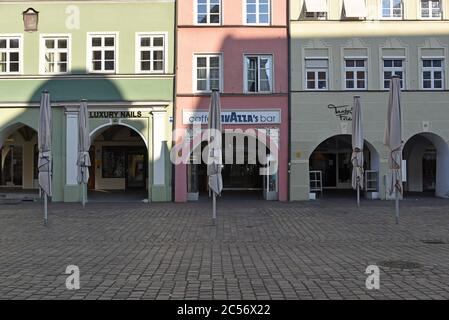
column 214, row 208
column 84, row 194
column 397, row 206
column 45, row 209
column 358, row 195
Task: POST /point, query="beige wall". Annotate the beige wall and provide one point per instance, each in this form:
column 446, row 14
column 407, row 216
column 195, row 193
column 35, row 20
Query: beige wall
column 411, row 9
column 423, row 111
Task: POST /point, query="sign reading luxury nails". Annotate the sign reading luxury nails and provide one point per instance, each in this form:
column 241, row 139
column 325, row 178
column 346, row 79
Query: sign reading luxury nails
column 344, row 112
column 235, row 117
column 115, row 114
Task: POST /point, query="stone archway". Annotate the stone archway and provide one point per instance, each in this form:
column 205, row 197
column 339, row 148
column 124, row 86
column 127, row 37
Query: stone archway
column 18, row 157
column 330, row 162
column 427, row 158
column 120, row 170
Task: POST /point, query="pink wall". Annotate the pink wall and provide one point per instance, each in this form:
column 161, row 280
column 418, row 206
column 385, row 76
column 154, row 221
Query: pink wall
column 233, row 42
column 232, row 11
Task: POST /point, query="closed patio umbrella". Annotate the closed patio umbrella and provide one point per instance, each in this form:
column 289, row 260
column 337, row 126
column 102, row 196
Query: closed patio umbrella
column 214, row 163
column 44, row 145
column 357, row 148
column 83, row 161
column 393, row 141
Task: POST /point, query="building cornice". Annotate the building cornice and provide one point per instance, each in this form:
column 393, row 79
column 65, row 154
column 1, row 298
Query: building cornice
column 88, row 76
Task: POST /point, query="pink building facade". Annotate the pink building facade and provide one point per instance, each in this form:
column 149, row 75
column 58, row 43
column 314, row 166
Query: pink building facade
column 239, row 47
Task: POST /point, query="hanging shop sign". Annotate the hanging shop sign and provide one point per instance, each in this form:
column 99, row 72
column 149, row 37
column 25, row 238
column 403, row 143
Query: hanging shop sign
column 114, row 114
column 234, row 117
column 343, row 112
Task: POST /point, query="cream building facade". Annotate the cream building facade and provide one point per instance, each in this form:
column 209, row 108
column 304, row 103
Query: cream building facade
column 346, row 48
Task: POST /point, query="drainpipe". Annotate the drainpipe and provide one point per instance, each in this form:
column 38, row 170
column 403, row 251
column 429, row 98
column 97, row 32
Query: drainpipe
column 175, row 72
column 289, row 100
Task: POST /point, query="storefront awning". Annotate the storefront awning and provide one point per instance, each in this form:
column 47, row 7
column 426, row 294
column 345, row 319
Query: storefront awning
column 355, row 8
column 316, row 5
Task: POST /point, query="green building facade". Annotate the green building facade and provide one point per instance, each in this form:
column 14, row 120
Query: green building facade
column 118, row 55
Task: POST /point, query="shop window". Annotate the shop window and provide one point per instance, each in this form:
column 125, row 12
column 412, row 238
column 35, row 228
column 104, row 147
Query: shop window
column 113, row 162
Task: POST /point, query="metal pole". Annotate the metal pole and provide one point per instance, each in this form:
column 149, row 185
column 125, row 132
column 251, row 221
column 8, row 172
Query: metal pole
column 358, row 195
column 214, row 208
column 84, row 194
column 45, row 209
column 397, row 206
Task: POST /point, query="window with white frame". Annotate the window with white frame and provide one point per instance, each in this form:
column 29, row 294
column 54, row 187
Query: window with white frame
column 355, row 74
column 207, row 72
column 151, row 53
column 392, row 9
column 433, row 74
column 393, row 67
column 257, row 11
column 430, row 9
column 55, row 51
column 102, row 53
column 259, row 73
column 208, row 11
column 316, row 74
column 315, row 9
column 10, row 54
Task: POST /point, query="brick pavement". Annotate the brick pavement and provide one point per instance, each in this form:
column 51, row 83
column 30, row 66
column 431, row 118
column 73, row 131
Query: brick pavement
column 258, row 250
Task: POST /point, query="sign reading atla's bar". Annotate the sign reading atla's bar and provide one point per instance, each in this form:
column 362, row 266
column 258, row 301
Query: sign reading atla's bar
column 343, row 112
column 234, row 117
column 115, row 114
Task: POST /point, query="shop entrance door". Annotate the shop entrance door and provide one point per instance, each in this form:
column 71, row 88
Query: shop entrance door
column 135, row 168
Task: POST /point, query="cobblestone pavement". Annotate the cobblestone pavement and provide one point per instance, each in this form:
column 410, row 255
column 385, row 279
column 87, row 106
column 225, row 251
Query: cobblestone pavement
column 257, row 250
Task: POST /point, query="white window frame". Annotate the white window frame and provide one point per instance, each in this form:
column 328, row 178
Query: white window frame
column 257, row 23
column 391, row 17
column 430, row 11
column 393, row 70
column 43, row 49
column 355, row 69
column 194, row 73
column 245, row 73
column 90, row 49
column 316, row 70
column 19, row 50
column 208, row 23
column 432, row 70
column 139, row 49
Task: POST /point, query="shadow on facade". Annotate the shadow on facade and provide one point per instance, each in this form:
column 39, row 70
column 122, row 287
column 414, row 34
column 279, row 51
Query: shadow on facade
column 19, row 125
column 238, row 49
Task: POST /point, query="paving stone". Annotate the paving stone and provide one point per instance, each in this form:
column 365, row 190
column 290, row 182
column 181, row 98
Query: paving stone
column 304, row 250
